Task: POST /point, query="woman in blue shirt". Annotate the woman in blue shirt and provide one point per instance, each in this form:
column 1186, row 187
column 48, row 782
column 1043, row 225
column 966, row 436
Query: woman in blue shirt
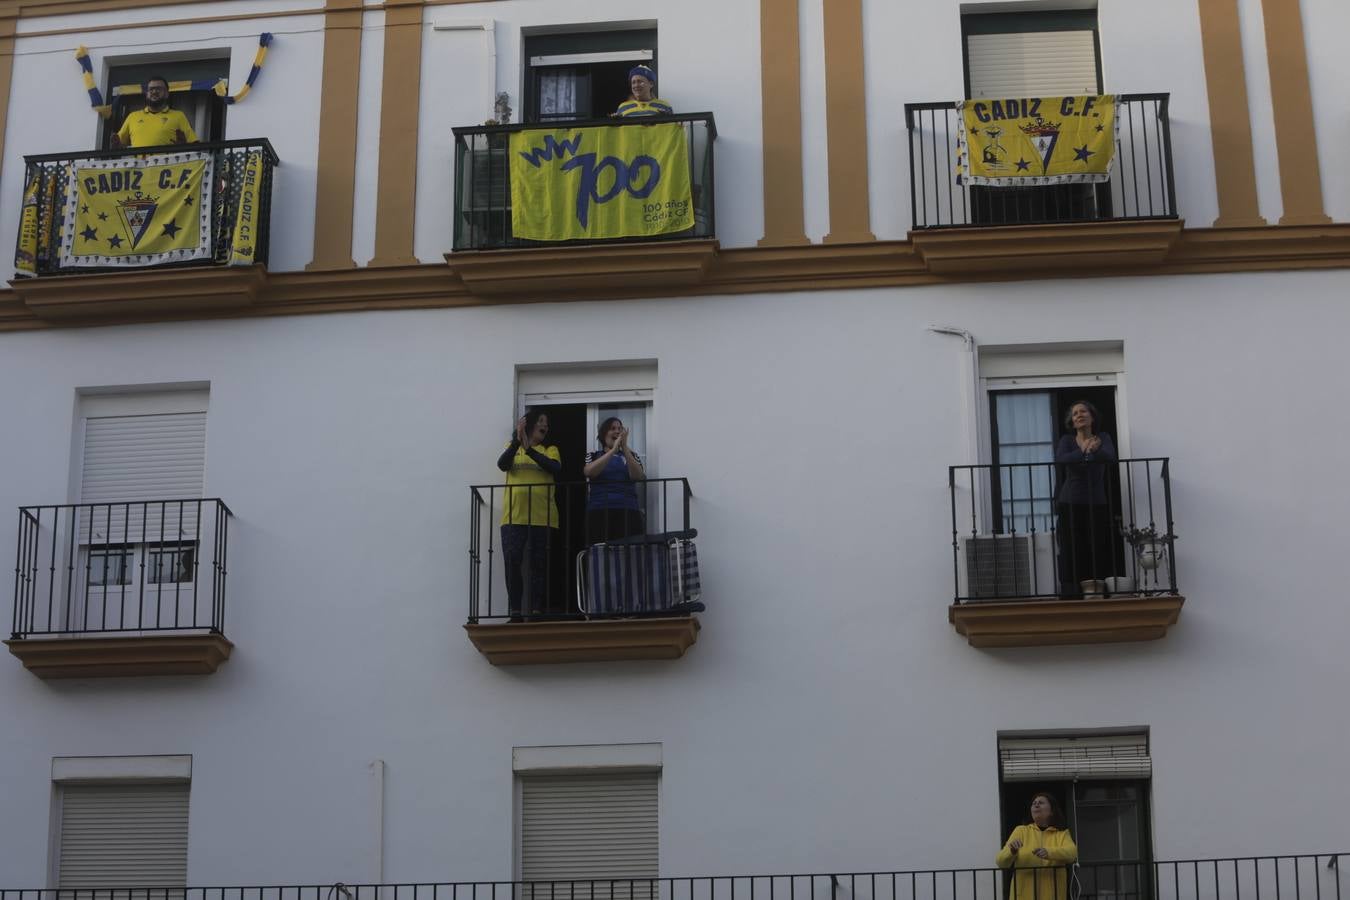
column 612, row 509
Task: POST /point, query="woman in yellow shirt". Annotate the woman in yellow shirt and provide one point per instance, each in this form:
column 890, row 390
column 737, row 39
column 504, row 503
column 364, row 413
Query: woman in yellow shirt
column 1039, row 854
column 529, row 514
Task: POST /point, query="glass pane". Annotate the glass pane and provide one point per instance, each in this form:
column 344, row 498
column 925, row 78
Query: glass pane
column 169, row 565
column 109, row 566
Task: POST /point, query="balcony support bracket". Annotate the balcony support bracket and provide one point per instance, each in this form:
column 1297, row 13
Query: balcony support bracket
column 530, row 643
column 1039, row 623
column 1041, row 251
column 111, row 657
column 579, row 272
column 151, row 293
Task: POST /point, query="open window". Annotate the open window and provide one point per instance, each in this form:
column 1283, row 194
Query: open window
column 192, row 92
column 1101, row 781
column 583, row 74
column 1048, row 53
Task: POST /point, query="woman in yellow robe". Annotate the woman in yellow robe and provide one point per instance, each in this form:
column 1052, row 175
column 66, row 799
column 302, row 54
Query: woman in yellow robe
column 1039, row 854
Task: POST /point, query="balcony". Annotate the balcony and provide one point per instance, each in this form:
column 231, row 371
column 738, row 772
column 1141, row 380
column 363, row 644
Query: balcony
column 1291, row 877
column 1129, row 220
column 185, row 229
column 587, row 251
column 1032, row 571
column 112, row 589
column 633, row 598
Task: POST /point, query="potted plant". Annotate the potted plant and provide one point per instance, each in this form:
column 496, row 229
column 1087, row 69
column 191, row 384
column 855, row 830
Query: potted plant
column 1150, row 547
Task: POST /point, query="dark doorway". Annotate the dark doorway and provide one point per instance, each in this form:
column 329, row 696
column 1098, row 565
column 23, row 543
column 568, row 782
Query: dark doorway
column 567, row 431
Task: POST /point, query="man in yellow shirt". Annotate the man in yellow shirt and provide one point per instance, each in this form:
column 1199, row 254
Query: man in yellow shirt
column 157, row 124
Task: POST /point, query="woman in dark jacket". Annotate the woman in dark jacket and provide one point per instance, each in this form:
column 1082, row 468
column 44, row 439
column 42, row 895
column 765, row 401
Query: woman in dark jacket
column 1085, row 551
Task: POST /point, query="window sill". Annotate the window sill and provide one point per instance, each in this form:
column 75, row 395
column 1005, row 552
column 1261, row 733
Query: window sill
column 1041, row 250
column 114, row 657
column 141, row 292
column 609, row 640
column 566, row 272
column 1040, row 623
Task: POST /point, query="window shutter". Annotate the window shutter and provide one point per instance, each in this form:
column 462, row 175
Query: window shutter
column 1032, row 64
column 139, row 458
column 123, row 835
column 584, row 827
column 1088, row 757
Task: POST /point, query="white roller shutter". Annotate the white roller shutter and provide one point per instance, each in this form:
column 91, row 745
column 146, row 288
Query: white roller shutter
column 1059, row 759
column 142, row 458
column 1032, row 64
column 123, row 835
column 583, row 827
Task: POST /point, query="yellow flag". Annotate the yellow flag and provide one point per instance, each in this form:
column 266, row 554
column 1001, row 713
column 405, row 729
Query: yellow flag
column 138, row 211
column 25, row 253
column 606, row 181
column 244, row 245
column 1038, row 140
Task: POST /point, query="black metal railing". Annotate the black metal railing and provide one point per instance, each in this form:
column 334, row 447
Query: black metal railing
column 1141, row 183
column 482, row 214
column 234, row 163
column 1293, row 877
column 110, row 568
column 536, row 573
column 1041, row 530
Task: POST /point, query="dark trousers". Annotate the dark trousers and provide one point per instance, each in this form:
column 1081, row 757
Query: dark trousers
column 525, row 555
column 611, row 524
column 1085, row 550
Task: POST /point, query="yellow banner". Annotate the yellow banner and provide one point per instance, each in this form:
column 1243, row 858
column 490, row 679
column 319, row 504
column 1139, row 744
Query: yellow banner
column 1037, row 140
column 138, row 211
column 25, row 254
column 244, row 244
column 600, row 182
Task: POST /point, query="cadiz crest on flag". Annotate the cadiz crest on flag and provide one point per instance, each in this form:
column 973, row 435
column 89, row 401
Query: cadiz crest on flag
column 1037, row 140
column 138, row 211
column 600, row 182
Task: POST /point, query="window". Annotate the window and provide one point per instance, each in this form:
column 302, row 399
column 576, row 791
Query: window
column 122, row 822
column 583, row 74
column 191, row 93
column 589, row 814
column 1034, row 54
column 1101, row 779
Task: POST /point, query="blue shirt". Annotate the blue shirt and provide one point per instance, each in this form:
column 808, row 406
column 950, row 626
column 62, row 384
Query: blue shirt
column 612, row 488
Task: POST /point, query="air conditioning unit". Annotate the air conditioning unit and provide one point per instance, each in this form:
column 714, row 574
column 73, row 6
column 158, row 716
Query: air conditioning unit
column 1006, row 566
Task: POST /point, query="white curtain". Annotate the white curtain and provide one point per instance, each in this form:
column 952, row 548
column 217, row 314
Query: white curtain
column 1026, row 434
column 558, row 92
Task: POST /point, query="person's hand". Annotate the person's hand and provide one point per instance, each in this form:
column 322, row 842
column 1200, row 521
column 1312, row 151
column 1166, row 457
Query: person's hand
column 622, row 443
column 520, row 429
column 1094, row 443
column 1014, row 845
column 179, row 137
column 1041, row 852
column 115, row 141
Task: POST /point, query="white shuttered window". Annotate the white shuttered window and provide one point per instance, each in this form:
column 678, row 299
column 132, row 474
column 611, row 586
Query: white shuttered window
column 123, row 835
column 1119, row 756
column 592, row 826
column 1032, row 64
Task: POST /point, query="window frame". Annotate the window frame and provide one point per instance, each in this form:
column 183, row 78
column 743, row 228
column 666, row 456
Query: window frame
column 582, row 47
column 137, row 69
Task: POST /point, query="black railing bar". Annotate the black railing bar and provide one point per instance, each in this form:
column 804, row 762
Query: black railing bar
column 134, row 628
column 1166, row 122
column 241, row 144
column 1132, row 459
column 171, row 500
column 473, row 130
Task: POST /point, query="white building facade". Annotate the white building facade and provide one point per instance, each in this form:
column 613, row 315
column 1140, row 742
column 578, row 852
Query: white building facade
column 277, row 687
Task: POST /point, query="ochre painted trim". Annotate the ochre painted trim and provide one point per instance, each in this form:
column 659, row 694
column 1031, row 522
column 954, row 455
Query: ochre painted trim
column 335, row 195
column 1291, row 96
column 846, row 123
column 1229, row 119
column 8, row 23
column 532, row 643
column 1041, row 623
column 396, row 195
column 1035, row 249
column 112, row 657
column 141, row 293
column 691, row 270
column 160, row 23
column 781, row 118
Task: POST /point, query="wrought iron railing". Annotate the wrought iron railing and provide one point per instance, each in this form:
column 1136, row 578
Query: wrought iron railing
column 482, row 213
column 663, row 506
column 235, row 163
column 1141, row 184
column 1293, row 877
column 1036, row 531
column 119, row 568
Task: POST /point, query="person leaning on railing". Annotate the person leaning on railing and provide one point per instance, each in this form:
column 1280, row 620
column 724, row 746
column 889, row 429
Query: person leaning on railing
column 529, row 514
column 1085, row 551
column 1039, row 854
column 158, row 123
column 643, row 100
column 612, row 509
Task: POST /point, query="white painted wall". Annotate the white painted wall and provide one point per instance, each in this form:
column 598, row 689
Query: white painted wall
column 829, row 717
column 1329, row 73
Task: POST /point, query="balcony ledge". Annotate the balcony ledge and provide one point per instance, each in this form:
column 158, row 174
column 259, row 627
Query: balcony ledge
column 141, row 292
column 555, row 273
column 1042, row 250
column 113, row 657
column 608, row 640
column 1039, row 623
